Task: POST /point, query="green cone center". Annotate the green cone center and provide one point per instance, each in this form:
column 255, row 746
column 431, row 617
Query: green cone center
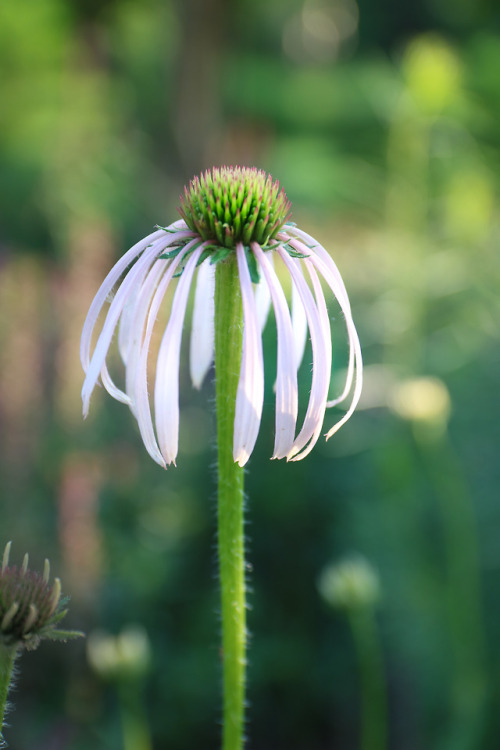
column 235, row 204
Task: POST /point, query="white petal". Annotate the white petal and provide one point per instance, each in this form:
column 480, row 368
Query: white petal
column 250, row 393
column 110, row 281
column 286, row 379
column 129, row 287
column 318, row 250
column 201, row 351
column 263, row 301
column 349, row 376
column 105, row 290
column 299, row 321
column 339, row 291
column 137, row 324
column 139, row 377
column 319, row 325
column 111, row 388
column 167, row 372
column 147, row 250
column 332, row 281
column 124, row 329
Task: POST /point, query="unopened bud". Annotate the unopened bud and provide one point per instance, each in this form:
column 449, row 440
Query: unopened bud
column 352, row 584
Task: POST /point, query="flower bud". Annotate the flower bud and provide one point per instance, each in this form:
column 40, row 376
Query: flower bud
column 423, row 401
column 122, row 657
column 351, row 585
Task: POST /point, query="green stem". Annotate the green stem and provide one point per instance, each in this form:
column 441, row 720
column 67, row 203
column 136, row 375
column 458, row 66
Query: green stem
column 7, row 659
column 231, row 547
column 136, row 735
column 373, row 688
column 463, row 600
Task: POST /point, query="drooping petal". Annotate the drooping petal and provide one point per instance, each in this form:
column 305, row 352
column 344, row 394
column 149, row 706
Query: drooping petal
column 349, row 377
column 250, row 393
column 144, row 255
column 309, row 244
column 201, row 351
column 340, row 293
column 129, row 286
column 358, row 378
column 124, row 329
column 286, row 379
column 104, row 291
column 113, row 276
column 317, row 319
column 111, row 388
column 354, row 345
column 138, row 378
column 299, row 321
column 263, row 301
column 167, row 370
column 141, row 306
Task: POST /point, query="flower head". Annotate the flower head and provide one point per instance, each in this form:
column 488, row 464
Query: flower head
column 227, row 214
column 30, row 607
column 234, row 204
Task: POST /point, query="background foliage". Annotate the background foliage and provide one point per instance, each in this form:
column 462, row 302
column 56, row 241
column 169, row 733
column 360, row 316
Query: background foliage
column 380, row 119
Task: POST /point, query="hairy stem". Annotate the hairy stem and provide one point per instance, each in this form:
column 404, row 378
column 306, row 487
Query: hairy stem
column 231, row 547
column 7, row 658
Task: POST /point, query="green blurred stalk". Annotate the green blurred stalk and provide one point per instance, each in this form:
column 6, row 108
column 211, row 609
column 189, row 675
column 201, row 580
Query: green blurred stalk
column 228, row 344
column 136, row 734
column 407, row 218
column 7, row 659
column 463, row 590
column 372, row 679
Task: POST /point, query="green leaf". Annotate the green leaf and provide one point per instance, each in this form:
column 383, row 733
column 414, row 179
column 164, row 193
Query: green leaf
column 220, row 254
column 57, row 617
column 64, row 635
column 205, row 254
column 253, row 266
column 170, row 253
column 265, row 248
column 166, row 229
column 294, row 253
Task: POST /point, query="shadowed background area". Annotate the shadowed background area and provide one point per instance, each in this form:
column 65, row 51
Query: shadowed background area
column 380, row 120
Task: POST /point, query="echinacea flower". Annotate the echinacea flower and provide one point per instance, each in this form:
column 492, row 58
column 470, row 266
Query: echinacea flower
column 238, row 212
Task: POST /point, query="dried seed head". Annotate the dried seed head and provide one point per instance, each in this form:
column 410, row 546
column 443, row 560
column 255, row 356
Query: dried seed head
column 30, row 607
column 235, row 204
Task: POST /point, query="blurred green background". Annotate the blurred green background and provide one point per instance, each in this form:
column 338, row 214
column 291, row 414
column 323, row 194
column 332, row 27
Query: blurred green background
column 380, row 119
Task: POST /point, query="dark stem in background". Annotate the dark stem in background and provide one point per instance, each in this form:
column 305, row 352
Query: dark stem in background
column 372, row 679
column 197, row 108
column 463, row 590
